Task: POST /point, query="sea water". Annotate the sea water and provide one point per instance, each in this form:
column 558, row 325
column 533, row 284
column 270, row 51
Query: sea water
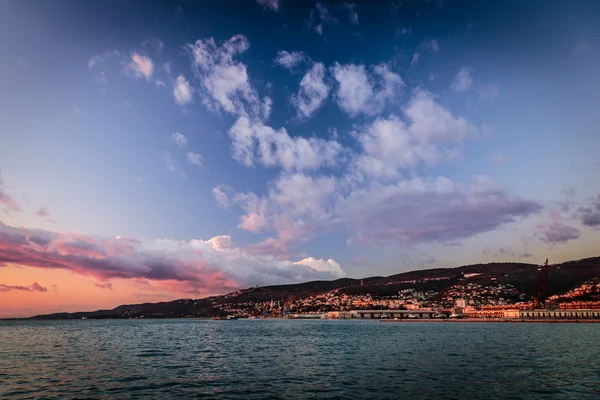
column 288, row 359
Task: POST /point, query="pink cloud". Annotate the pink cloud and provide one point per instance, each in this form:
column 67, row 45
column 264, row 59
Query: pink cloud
column 141, row 65
column 196, row 266
column 252, row 222
column 558, row 233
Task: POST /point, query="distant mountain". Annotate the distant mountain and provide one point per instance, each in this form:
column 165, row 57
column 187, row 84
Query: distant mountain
column 524, row 277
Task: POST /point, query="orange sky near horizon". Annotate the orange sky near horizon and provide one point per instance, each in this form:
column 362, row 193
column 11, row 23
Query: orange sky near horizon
column 71, row 292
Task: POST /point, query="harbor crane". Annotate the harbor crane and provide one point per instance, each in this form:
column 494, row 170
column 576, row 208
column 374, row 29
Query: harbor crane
column 539, row 296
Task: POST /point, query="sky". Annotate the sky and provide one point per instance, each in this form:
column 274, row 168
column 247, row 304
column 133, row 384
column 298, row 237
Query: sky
column 151, row 151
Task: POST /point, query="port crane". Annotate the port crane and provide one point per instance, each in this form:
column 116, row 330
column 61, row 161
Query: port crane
column 289, row 304
column 539, row 296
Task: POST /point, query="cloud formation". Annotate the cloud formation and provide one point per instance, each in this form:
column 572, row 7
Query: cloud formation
column 182, row 91
column 254, row 141
column 141, row 66
column 34, row 287
column 360, row 92
column 415, row 59
column 220, row 195
column 179, row 139
column 7, row 203
column 197, row 266
column 104, row 285
column 590, row 212
column 558, row 233
column 312, row 93
column 463, row 80
column 430, row 133
column 224, row 81
column 290, row 60
column 411, row 211
column 194, row 158
column 433, row 45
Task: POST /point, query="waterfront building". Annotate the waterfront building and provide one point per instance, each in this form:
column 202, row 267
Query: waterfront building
column 400, row 314
column 553, row 314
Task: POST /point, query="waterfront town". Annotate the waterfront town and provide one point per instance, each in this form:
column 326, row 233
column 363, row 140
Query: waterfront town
column 460, row 301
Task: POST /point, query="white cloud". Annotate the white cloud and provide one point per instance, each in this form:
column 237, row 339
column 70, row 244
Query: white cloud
column 415, row 59
column 294, row 206
column 290, row 60
column 430, row 121
column 179, row 139
column 194, row 158
column 312, row 93
column 387, row 146
column 182, row 91
column 269, row 4
column 224, row 81
column 266, row 107
column 160, row 83
column 463, row 80
column 361, row 93
column 252, row 140
column 252, row 222
column 141, row 66
column 220, row 195
column 329, row 266
column 390, row 144
column 319, row 29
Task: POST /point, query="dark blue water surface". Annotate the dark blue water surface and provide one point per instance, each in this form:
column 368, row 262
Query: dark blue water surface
column 287, row 359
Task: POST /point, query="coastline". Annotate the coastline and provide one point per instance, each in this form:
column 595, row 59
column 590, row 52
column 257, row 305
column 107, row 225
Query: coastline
column 498, row 320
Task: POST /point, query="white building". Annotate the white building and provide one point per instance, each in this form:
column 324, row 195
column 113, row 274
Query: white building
column 461, row 303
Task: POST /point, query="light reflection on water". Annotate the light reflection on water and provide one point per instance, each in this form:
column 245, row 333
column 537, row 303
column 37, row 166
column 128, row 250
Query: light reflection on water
column 285, row 359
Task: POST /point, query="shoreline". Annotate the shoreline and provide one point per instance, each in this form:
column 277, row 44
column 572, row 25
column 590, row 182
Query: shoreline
column 499, row 320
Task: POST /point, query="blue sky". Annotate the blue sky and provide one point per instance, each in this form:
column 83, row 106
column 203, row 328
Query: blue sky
column 352, row 139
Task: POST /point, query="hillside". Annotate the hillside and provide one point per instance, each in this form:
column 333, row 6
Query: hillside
column 523, row 277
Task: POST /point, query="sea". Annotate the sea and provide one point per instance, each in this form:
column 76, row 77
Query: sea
column 297, row 359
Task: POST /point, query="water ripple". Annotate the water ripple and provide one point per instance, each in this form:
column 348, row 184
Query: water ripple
column 279, row 359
